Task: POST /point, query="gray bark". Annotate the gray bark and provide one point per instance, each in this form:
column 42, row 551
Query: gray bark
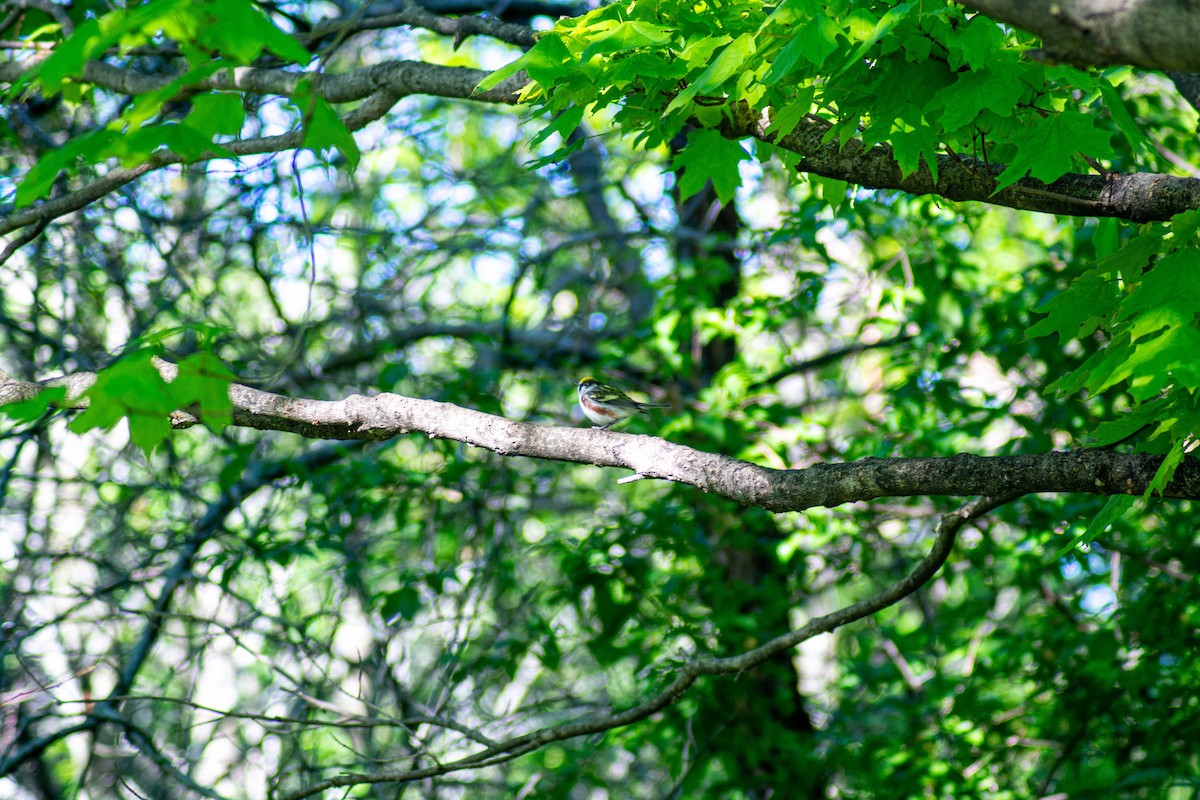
column 1157, row 35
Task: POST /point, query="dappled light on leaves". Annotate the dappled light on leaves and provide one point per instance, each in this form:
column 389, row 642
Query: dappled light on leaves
column 297, row 498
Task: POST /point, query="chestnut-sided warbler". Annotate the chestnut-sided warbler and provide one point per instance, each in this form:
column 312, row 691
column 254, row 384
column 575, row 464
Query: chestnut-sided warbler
column 606, row 405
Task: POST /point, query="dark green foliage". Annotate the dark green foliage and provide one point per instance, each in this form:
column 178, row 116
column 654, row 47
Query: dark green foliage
column 271, row 612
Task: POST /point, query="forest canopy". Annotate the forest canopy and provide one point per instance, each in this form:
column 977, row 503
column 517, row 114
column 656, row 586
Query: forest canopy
column 297, row 498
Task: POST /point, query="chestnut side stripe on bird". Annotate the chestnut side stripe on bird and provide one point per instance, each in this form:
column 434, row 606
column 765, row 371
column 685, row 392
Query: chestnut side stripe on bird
column 607, row 405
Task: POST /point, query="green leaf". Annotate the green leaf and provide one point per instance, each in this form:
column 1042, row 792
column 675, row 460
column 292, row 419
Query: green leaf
column 204, row 381
column 180, row 20
column 1114, row 430
column 36, row 406
column 910, row 147
column 216, row 114
column 1184, row 227
column 495, row 78
column 326, row 130
column 1131, row 260
column 723, row 67
column 727, row 64
column 812, row 43
column 240, row 29
column 131, row 388
column 881, row 28
column 1151, row 365
column 1113, row 510
column 236, row 29
column 1107, row 237
column 102, row 412
column 148, row 430
column 564, row 124
column 833, row 191
column 67, row 61
column 784, row 120
column 556, row 157
column 136, row 147
column 1120, row 114
column 1078, row 311
column 146, row 106
column 699, row 51
column 973, row 92
column 646, row 68
column 626, row 35
column 546, row 60
column 1166, row 470
column 975, row 44
column 92, row 147
column 1047, row 149
column 710, row 156
column 1167, row 295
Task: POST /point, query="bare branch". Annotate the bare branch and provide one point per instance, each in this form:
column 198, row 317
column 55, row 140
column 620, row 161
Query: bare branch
column 348, row 718
column 402, row 78
column 1101, row 472
column 144, row 742
column 179, row 574
column 459, row 27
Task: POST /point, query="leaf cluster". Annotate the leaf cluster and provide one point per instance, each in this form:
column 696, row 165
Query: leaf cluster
column 923, row 78
column 1138, row 297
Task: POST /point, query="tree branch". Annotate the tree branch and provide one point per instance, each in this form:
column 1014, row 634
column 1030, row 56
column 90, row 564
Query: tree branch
column 401, row 78
column 105, row 711
column 1139, row 196
column 381, row 86
column 384, row 416
column 414, row 15
column 829, row 357
column 1159, row 35
column 947, row 529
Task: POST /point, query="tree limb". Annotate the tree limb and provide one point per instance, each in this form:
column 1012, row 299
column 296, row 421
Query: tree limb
column 385, row 416
column 414, row 15
column 1139, row 196
column 382, row 86
column 1157, row 35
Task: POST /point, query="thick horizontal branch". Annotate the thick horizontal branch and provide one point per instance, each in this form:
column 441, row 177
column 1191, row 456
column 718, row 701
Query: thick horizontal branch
column 388, row 415
column 397, row 77
column 1157, row 35
column 384, row 416
column 1139, row 196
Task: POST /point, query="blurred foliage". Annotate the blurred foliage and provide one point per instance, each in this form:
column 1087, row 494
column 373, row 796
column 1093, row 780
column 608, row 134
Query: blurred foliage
column 314, row 609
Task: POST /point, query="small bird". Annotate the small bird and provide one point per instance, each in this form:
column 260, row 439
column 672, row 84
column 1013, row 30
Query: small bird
column 607, row 405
